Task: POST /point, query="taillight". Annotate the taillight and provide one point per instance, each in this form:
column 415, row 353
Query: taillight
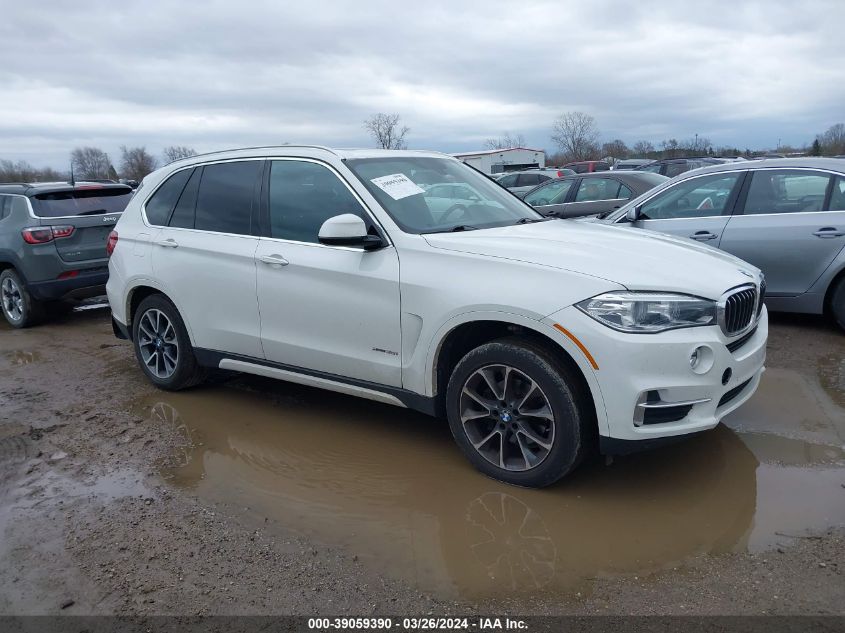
column 560, row 174
column 62, row 231
column 111, row 243
column 44, row 234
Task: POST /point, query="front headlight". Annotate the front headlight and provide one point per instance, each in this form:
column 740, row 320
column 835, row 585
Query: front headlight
column 649, row 312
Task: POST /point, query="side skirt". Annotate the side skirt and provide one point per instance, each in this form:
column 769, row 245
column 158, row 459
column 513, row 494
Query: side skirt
column 311, row 378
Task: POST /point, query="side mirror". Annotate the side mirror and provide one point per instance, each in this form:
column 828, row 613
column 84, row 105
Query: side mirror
column 633, row 214
column 348, row 230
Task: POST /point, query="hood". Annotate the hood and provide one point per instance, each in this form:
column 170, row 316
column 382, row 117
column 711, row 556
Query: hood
column 638, row 260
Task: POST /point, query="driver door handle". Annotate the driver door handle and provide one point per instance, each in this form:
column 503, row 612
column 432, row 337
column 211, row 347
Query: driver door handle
column 703, row 236
column 168, row 243
column 829, row 231
column 274, row 260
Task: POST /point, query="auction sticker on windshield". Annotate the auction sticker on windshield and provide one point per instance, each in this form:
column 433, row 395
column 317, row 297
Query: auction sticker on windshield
column 397, row 186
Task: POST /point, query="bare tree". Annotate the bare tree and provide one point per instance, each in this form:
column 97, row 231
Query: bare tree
column 576, row 135
column 177, row 152
column 832, row 141
column 386, row 131
column 615, row 149
column 136, row 162
column 642, row 149
column 22, row 171
column 507, row 141
column 90, row 162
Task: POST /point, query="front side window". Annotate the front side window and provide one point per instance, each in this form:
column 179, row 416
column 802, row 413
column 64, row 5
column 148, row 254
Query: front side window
column 225, row 197
column 654, row 169
column 551, row 193
column 399, row 185
column 785, row 191
column 303, row 195
column 701, row 197
column 595, row 189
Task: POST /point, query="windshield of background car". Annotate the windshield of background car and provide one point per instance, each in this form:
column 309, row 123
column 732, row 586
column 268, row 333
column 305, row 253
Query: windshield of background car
column 93, row 201
column 432, row 195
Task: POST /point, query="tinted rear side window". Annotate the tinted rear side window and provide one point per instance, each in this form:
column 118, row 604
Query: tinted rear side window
column 160, row 205
column 5, row 206
column 94, row 201
column 183, row 213
column 226, row 194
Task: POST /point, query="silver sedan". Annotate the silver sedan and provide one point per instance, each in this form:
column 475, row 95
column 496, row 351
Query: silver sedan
column 785, row 216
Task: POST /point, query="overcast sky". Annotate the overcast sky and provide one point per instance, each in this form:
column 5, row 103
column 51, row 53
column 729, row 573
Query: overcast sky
column 232, row 73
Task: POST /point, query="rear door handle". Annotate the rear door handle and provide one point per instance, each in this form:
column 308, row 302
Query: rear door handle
column 829, row 231
column 168, row 243
column 274, row 260
column 703, row 235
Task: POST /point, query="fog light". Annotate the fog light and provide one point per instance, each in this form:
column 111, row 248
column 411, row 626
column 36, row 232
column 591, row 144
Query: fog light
column 701, row 359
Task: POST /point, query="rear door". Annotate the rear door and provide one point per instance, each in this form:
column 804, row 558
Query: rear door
column 791, row 226
column 698, row 208
column 205, row 253
column 87, row 213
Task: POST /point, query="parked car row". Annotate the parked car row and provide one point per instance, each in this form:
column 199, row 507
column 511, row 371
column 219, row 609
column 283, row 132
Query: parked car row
column 419, row 282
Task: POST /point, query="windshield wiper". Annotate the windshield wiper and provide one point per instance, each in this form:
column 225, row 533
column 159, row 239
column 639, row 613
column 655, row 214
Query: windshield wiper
column 92, row 212
column 530, row 220
column 455, row 229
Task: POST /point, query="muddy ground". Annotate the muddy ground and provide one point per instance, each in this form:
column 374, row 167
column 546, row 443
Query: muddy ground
column 248, row 496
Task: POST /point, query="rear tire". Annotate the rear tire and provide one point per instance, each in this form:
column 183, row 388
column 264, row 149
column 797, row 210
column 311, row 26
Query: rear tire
column 163, row 347
column 837, row 303
column 18, row 306
column 519, row 414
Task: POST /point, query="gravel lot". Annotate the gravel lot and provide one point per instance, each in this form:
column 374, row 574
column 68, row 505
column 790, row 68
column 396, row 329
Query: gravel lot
column 249, row 496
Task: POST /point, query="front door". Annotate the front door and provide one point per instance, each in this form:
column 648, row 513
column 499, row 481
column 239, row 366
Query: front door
column 328, row 309
column 697, row 208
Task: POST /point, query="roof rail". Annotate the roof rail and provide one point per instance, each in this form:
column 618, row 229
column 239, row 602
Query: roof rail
column 240, row 149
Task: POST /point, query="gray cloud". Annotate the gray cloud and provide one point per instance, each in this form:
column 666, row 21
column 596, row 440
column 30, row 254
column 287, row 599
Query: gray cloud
column 221, row 74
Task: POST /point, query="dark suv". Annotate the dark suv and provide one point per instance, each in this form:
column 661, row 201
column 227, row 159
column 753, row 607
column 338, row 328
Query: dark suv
column 53, row 243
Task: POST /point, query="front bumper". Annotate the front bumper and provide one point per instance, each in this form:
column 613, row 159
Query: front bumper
column 644, row 369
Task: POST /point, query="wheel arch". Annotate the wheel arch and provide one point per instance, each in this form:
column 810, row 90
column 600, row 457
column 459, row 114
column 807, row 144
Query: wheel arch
column 838, row 278
column 141, row 291
column 468, row 331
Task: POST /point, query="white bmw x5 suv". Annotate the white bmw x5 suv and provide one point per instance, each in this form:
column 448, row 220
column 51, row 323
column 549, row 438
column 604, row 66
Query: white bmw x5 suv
column 538, row 339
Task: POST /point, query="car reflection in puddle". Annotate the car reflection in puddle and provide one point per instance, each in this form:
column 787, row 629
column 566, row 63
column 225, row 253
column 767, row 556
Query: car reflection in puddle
column 391, row 486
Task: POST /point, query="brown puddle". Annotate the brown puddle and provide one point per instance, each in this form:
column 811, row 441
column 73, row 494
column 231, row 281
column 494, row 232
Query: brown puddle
column 390, row 486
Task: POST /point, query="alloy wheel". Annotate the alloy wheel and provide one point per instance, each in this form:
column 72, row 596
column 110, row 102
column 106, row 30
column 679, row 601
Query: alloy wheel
column 507, row 417
column 158, row 343
column 12, row 299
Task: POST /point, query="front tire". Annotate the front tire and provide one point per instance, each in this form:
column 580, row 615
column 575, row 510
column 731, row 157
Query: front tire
column 163, row 347
column 518, row 413
column 19, row 308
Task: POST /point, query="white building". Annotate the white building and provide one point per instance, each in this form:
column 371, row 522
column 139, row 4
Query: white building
column 495, row 161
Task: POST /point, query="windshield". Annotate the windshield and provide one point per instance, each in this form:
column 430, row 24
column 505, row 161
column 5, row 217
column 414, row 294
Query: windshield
column 434, row 195
column 93, row 201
